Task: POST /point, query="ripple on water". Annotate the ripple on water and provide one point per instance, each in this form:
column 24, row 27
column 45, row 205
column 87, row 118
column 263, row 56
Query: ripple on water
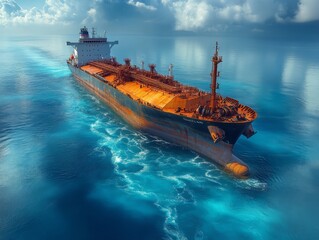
column 150, row 168
column 140, row 161
column 252, row 184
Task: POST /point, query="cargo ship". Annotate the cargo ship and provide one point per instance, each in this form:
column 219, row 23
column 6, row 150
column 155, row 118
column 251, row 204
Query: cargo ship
column 204, row 122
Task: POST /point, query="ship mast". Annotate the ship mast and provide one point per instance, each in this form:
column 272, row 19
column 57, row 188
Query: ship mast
column 215, row 61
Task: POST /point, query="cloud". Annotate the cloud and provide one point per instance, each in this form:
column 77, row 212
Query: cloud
column 8, row 10
column 189, row 15
column 248, row 11
column 141, row 5
column 10, row 7
column 164, row 15
column 308, row 11
column 205, row 14
column 53, row 11
column 91, row 16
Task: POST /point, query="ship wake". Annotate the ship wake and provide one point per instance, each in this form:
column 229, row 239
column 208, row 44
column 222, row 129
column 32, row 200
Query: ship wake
column 157, row 171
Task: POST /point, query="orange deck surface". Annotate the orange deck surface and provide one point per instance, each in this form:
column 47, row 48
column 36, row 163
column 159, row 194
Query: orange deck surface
column 146, row 94
column 90, row 69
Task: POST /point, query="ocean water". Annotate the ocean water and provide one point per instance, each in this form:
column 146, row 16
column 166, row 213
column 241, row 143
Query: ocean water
column 70, row 168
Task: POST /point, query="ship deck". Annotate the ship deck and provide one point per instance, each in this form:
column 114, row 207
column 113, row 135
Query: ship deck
column 182, row 100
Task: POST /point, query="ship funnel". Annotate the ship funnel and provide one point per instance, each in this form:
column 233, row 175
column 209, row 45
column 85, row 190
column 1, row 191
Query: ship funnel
column 84, row 33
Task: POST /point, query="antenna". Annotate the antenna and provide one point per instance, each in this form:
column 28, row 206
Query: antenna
column 215, row 61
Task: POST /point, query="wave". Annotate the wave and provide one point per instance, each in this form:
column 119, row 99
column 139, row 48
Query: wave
column 252, row 184
column 45, row 62
column 172, row 178
column 144, row 169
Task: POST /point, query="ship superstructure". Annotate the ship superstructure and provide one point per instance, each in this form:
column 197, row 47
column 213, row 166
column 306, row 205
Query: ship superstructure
column 90, row 48
column 202, row 121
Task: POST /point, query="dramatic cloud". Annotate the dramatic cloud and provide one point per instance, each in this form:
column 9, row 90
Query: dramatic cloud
column 249, row 11
column 189, row 15
column 52, row 12
column 8, row 11
column 164, row 15
column 308, row 11
column 199, row 14
column 141, row 5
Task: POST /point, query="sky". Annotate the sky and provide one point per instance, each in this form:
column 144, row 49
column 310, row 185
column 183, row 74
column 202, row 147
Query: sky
column 259, row 17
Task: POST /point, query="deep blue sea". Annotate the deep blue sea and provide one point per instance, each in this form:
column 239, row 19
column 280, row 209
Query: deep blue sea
column 70, row 168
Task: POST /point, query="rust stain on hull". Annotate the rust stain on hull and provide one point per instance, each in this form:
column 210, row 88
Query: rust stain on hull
column 220, row 153
column 137, row 121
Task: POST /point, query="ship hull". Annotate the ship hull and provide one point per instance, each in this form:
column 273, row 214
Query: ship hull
column 178, row 129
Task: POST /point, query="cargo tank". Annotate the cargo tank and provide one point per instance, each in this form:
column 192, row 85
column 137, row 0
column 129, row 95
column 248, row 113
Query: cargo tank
column 204, row 122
